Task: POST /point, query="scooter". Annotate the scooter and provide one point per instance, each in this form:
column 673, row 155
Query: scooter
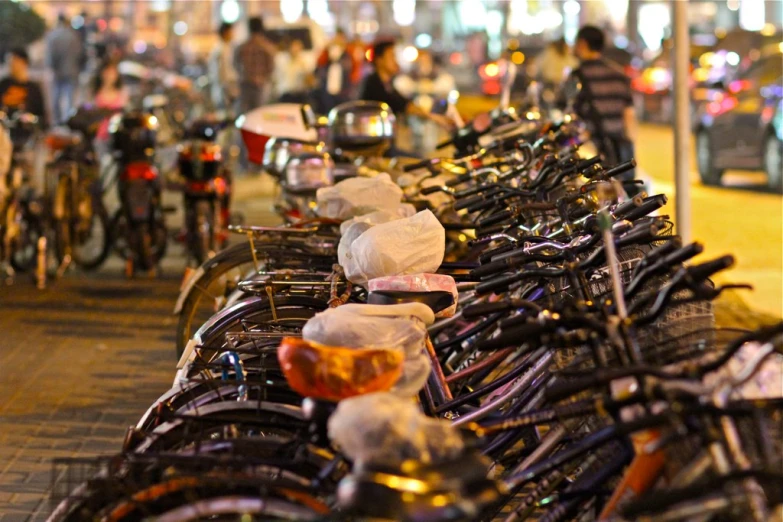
column 206, row 191
column 138, row 228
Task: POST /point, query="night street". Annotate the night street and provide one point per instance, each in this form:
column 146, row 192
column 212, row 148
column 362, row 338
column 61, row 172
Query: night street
column 86, row 356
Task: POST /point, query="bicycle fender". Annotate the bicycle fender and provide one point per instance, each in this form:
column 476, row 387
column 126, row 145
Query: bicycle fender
column 186, row 289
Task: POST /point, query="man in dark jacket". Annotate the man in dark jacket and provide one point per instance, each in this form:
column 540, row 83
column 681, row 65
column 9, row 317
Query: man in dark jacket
column 17, row 92
column 605, row 100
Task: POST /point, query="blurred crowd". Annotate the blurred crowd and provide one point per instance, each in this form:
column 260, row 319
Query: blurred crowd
column 245, row 75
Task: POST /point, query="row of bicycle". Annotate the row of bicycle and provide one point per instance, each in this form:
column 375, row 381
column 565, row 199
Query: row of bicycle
column 502, row 335
column 97, row 149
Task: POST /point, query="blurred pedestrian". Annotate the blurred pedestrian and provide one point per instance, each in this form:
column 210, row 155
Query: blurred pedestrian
column 605, row 101
column 379, row 86
column 63, row 56
column 107, row 87
column 255, row 62
column 429, row 86
column 334, row 72
column 293, row 74
column 556, row 62
column 17, row 92
column 222, row 75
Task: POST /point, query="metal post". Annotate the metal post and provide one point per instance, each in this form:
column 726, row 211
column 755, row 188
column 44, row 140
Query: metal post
column 682, row 121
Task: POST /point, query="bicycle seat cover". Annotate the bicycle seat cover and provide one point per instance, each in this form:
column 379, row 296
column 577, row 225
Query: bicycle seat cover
column 334, row 373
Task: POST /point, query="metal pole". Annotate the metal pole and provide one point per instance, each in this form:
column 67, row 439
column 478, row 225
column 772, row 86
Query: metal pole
column 682, row 121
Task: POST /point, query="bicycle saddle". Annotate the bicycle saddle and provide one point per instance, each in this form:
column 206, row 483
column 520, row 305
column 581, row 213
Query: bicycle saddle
column 416, row 491
column 437, row 300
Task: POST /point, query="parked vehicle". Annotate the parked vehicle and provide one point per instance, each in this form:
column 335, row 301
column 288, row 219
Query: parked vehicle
column 80, row 219
column 206, row 189
column 138, row 227
column 743, row 128
column 22, row 212
column 563, row 365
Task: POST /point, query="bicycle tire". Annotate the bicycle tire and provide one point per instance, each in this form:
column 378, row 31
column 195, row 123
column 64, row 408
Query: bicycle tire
column 225, row 262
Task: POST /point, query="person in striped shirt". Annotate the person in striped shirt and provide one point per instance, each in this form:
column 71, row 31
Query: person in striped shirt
column 605, row 100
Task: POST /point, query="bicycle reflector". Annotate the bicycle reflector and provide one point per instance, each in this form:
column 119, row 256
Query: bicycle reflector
column 334, row 373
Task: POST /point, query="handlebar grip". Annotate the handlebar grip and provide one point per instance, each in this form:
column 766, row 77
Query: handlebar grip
column 488, row 269
column 487, row 256
column 495, row 218
column 513, row 337
column 640, row 234
column 479, row 310
column 426, row 191
column 466, row 202
column 705, row 270
column 664, row 250
column 682, row 254
column 649, row 205
column 462, row 178
column 444, row 144
column 625, row 207
column 473, row 190
column 494, row 229
column 587, row 163
column 418, row 165
column 497, row 284
column 620, row 169
column 559, row 390
column 482, row 205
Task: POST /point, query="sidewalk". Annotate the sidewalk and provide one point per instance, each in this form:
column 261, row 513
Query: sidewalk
column 82, row 360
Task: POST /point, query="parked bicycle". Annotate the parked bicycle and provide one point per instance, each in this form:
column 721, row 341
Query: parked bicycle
column 530, row 345
column 80, row 219
column 22, row 213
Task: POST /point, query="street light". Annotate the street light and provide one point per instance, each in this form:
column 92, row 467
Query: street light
column 229, row 11
column 180, row 28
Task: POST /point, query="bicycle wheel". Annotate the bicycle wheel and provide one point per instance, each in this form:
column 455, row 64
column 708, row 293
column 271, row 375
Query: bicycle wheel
column 25, row 247
column 214, row 281
column 224, row 421
column 90, row 241
column 284, row 314
column 201, row 230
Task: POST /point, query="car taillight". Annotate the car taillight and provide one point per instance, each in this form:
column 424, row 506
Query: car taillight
column 198, row 186
column 139, row 171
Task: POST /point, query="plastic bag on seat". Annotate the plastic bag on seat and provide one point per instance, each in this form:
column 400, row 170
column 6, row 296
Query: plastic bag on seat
column 384, row 429
column 357, row 196
column 403, row 210
column 406, row 246
column 348, row 326
column 419, row 283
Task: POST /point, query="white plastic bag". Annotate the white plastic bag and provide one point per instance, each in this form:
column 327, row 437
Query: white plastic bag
column 351, row 234
column 360, row 326
column 381, row 428
column 403, row 210
column 419, row 283
column 357, row 196
column 407, row 246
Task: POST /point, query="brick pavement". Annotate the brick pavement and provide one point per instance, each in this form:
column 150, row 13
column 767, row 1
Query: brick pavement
column 81, row 361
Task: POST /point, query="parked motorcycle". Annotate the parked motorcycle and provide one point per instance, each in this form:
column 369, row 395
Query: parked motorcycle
column 138, row 227
column 207, row 189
